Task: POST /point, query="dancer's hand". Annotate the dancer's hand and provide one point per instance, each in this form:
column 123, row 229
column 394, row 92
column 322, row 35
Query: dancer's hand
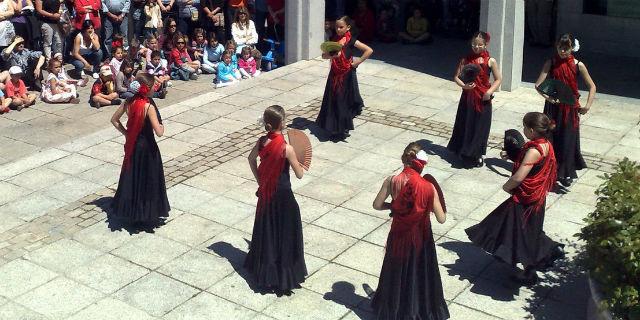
column 552, row 100
column 469, row 86
column 487, row 96
column 503, row 155
column 583, row 110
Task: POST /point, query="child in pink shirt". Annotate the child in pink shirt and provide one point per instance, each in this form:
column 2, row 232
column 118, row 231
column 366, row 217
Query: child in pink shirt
column 247, row 64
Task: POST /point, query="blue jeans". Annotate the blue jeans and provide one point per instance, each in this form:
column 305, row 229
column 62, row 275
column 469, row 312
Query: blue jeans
column 110, row 27
column 139, row 19
column 93, row 57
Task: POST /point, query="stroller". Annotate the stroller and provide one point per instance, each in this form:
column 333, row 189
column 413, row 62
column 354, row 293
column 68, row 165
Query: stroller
column 274, row 57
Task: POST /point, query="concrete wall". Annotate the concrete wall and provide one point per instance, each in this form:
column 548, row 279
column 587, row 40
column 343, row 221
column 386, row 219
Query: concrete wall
column 304, row 29
column 610, row 35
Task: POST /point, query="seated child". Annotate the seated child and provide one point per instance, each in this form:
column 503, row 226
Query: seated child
column 63, row 76
column 4, row 103
column 103, row 91
column 212, row 54
column 4, row 77
column 365, row 21
column 160, row 74
column 116, row 61
column 231, row 46
column 417, row 29
column 247, row 64
column 17, row 91
column 198, row 44
column 55, row 90
column 124, row 78
column 227, row 73
column 182, row 66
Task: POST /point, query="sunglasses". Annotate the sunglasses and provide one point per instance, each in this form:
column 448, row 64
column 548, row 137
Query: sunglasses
column 173, row 25
column 242, row 14
column 180, row 42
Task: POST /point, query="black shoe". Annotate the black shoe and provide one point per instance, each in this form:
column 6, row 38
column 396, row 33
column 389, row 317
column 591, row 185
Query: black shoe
column 566, row 181
column 479, row 162
column 116, row 102
column 526, row 278
column 368, row 290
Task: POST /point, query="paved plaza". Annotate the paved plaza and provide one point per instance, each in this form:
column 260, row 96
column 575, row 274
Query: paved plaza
column 61, row 259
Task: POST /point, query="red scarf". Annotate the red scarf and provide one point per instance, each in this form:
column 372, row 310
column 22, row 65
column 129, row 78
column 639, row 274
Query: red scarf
column 341, row 65
column 272, row 160
column 474, row 97
column 565, row 71
column 411, row 208
column 135, row 122
column 533, row 190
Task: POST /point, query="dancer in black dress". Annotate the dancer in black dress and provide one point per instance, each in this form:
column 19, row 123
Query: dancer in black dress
column 276, row 253
column 566, row 138
column 513, row 231
column 342, row 101
column 473, row 118
column 410, row 286
column 141, row 197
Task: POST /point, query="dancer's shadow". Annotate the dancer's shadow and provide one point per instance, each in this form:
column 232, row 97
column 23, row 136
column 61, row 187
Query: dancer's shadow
column 236, row 258
column 442, row 152
column 344, row 293
column 472, row 262
column 304, row 123
column 494, row 163
column 116, row 224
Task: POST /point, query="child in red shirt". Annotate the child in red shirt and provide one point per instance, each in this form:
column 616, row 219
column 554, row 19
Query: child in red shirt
column 17, row 91
column 181, row 60
column 103, row 91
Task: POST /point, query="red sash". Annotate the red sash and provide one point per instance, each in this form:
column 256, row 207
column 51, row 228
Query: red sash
column 340, row 65
column 411, row 208
column 565, row 70
column 533, row 190
column 272, row 160
column 135, row 122
column 474, row 97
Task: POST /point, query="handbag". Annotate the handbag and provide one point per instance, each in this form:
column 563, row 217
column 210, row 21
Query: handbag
column 195, row 15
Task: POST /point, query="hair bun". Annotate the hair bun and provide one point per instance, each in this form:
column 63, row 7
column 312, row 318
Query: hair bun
column 552, row 125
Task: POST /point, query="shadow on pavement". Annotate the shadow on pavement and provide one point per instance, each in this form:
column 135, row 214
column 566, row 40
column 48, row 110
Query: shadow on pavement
column 472, row 262
column 493, row 163
column 343, row 291
column 117, row 224
column 441, row 151
column 304, row 123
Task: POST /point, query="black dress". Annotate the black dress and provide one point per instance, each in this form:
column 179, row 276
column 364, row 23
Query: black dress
column 142, row 194
column 276, row 252
column 471, row 129
column 341, row 103
column 565, row 139
column 508, row 236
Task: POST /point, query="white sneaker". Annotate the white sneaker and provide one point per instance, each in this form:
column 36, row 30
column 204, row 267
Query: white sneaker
column 82, row 74
column 169, row 84
column 95, row 75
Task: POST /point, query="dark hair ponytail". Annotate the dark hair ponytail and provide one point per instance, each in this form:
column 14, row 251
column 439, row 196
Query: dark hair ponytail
column 273, row 117
column 566, row 41
column 540, row 123
column 482, row 35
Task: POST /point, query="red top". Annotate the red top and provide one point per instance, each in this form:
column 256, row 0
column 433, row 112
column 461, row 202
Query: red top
column 341, row 64
column 82, row 14
column 534, row 188
column 411, row 206
column 15, row 91
column 180, row 57
column 566, row 70
column 474, row 97
column 272, row 161
column 237, row 3
column 136, row 115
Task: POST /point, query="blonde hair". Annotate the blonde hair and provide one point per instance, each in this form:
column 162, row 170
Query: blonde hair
column 410, row 152
column 273, row 117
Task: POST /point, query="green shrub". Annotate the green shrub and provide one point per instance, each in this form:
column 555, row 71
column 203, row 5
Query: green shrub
column 612, row 234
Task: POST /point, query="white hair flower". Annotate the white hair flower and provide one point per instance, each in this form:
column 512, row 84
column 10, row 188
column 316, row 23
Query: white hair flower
column 261, row 121
column 576, row 45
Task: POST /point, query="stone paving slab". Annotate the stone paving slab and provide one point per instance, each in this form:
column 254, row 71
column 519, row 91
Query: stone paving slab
column 57, row 196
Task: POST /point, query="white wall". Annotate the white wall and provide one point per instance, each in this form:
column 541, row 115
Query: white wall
column 611, row 35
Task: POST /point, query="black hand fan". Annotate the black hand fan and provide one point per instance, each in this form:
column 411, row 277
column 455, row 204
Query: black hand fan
column 558, row 90
column 513, row 142
column 469, row 73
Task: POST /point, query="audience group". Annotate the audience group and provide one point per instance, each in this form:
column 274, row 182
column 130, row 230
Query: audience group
column 111, row 40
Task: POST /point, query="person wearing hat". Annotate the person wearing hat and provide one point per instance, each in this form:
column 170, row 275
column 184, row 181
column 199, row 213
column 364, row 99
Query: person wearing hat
column 103, row 91
column 17, row 91
column 17, row 55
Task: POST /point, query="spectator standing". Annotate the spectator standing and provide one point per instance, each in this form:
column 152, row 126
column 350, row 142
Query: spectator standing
column 260, row 17
column 188, row 15
column 275, row 19
column 230, row 12
column 87, row 10
column 213, row 19
column 21, row 23
column 7, row 32
column 138, row 16
column 115, row 21
column 49, row 13
column 153, row 14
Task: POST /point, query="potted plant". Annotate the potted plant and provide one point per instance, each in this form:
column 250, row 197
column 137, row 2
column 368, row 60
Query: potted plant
column 612, row 235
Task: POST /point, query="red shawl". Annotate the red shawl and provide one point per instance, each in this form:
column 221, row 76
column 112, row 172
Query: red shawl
column 565, row 70
column 341, row 65
column 272, row 160
column 135, row 122
column 474, row 97
column 533, row 190
column 411, row 209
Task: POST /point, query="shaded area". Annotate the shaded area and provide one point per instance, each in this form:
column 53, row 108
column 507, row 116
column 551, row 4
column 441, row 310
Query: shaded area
column 304, row 123
column 493, row 163
column 342, row 291
column 442, row 152
column 117, row 224
column 613, row 75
